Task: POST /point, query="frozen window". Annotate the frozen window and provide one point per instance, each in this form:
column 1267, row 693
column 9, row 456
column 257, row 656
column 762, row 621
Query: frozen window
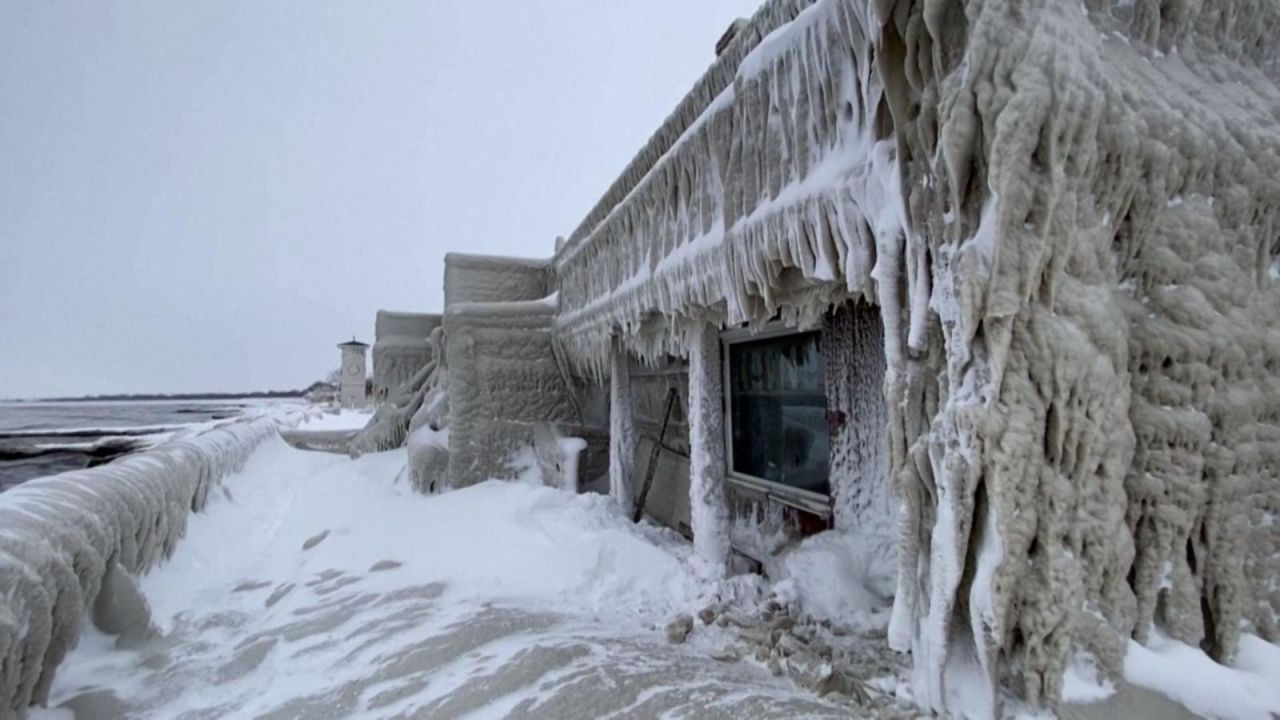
column 777, row 411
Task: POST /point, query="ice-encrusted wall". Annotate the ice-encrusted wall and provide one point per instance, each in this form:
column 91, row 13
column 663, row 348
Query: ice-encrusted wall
column 484, row 278
column 1087, row 417
column 63, row 537
column 401, row 348
column 1066, row 214
column 853, row 353
column 504, row 377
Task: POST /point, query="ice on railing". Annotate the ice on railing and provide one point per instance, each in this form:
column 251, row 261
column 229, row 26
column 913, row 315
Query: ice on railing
column 64, row 536
column 782, row 182
column 390, row 425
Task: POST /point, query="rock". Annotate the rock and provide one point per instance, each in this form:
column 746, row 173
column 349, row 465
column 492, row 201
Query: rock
column 678, row 630
column 783, row 622
column 708, row 615
column 762, row 653
column 741, row 620
column 756, row 637
column 820, row 647
column 790, row 644
column 808, row 670
column 842, row 685
column 775, row 667
column 728, row 653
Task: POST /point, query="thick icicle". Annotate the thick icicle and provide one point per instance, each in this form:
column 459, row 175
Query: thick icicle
column 622, row 431
column 708, row 507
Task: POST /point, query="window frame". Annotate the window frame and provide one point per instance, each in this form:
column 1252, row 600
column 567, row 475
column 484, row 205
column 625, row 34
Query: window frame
column 800, row 499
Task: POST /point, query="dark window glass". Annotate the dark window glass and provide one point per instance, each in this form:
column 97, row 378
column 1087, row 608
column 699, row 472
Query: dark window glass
column 777, row 397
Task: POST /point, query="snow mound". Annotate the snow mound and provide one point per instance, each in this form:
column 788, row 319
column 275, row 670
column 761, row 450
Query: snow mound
column 839, row 577
column 1248, row 689
column 63, row 536
column 323, row 586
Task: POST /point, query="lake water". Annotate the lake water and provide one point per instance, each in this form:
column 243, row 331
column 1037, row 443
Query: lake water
column 46, row 438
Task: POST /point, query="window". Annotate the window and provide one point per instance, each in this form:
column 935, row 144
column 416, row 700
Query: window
column 776, row 394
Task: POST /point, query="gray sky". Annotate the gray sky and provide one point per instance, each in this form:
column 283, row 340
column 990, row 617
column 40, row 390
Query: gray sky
column 181, row 182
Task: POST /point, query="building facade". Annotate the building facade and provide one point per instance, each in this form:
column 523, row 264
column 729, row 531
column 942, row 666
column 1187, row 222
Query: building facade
column 1002, row 305
column 401, row 349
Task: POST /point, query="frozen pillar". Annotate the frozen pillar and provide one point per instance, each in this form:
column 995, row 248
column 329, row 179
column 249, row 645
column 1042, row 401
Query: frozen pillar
column 708, row 508
column 622, row 429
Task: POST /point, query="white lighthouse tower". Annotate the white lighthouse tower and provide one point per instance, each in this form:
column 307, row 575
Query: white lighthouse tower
column 352, row 393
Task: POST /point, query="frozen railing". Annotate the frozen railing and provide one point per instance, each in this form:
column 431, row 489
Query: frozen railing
column 765, row 190
column 62, row 538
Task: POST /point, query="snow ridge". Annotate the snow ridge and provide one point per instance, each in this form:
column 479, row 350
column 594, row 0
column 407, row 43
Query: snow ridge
column 62, row 536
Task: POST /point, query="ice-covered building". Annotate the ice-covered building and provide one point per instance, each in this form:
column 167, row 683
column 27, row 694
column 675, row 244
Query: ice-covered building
column 401, row 348
column 990, row 286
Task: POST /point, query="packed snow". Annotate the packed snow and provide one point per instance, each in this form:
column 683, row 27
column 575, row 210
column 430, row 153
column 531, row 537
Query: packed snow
column 344, row 419
column 315, row 585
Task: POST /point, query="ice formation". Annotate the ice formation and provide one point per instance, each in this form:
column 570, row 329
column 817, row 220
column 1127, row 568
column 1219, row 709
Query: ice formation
column 708, row 507
column 622, row 432
column 71, row 543
column 401, row 348
column 393, row 421
column 1066, row 215
column 1087, row 424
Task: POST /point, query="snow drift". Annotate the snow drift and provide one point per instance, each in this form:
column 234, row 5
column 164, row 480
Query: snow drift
column 65, row 538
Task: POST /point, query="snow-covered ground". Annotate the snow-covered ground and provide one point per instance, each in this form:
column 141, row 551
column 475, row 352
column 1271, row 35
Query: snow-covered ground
column 337, row 420
column 320, row 586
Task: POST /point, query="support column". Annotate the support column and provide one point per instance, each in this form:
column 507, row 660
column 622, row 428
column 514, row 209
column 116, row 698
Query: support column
column 708, row 505
column 622, row 430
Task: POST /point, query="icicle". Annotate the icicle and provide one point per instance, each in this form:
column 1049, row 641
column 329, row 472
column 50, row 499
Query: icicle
column 622, row 432
column 708, row 507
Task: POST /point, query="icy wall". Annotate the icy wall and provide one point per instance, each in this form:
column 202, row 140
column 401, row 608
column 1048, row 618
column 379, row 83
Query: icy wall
column 401, row 348
column 1066, row 213
column 1087, row 419
column 65, row 538
column 482, row 278
column 417, row 401
column 853, row 358
column 503, row 378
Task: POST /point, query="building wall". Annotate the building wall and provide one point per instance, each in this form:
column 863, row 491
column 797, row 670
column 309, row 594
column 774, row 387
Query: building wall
column 401, row 348
column 1067, row 227
column 484, row 278
column 503, row 379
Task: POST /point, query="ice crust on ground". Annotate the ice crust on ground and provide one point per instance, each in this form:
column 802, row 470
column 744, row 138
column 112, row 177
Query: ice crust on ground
column 1066, row 214
column 498, row 600
column 67, row 539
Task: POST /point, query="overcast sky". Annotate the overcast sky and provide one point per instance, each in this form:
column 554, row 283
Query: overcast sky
column 211, row 195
